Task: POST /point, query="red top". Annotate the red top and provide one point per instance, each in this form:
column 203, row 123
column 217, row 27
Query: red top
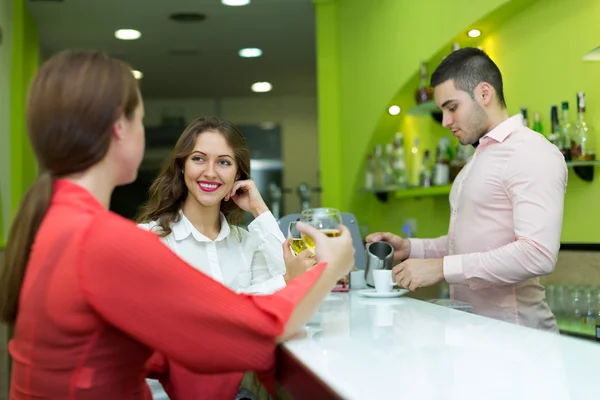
column 100, row 293
column 182, row 384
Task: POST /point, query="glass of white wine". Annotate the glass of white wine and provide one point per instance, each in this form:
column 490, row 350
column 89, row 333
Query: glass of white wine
column 327, row 220
column 295, row 237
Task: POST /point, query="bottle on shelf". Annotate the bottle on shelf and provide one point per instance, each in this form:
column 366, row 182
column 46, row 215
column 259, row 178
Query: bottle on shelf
column 441, row 171
column 524, row 114
column 389, row 163
column 382, row 168
column 416, row 162
column 424, row 92
column 584, row 136
column 554, row 134
column 399, row 162
column 425, row 173
column 537, row 123
column 566, row 132
column 370, row 173
column 463, row 154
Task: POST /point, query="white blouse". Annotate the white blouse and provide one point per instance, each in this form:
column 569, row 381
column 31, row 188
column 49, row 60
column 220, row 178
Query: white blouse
column 246, row 261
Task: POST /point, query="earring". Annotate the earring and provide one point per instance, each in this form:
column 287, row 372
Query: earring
column 182, row 171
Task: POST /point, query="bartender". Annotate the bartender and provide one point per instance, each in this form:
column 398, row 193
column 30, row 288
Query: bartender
column 506, row 204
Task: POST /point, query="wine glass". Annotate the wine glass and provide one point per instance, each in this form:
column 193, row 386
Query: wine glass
column 326, row 220
column 295, row 237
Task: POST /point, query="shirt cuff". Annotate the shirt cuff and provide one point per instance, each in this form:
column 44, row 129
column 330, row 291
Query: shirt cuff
column 453, row 269
column 265, row 222
column 417, row 248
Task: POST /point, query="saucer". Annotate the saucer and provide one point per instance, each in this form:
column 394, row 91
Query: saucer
column 374, row 293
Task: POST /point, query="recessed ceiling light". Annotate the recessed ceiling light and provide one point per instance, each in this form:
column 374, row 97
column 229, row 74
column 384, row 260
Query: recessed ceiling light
column 137, row 74
column 394, row 110
column 235, row 2
column 127, row 34
column 474, row 33
column 250, row 52
column 261, row 87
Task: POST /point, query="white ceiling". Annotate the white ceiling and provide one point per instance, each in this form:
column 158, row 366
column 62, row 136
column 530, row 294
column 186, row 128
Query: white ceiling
column 283, row 29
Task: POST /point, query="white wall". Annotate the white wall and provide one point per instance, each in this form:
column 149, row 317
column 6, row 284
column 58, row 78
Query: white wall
column 5, row 64
column 297, row 117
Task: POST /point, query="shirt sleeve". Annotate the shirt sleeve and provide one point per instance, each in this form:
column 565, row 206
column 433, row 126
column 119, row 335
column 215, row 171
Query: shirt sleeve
column 267, row 238
column 429, row 248
column 536, row 182
column 141, row 287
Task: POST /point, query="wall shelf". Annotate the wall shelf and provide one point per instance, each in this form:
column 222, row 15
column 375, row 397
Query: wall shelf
column 584, row 169
column 409, row 192
column 578, row 330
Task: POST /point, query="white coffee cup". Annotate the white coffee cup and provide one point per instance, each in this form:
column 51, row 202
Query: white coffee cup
column 383, row 280
column 357, row 279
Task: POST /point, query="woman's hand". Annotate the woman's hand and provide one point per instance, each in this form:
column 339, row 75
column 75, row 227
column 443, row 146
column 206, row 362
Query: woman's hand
column 337, row 252
column 249, row 198
column 296, row 265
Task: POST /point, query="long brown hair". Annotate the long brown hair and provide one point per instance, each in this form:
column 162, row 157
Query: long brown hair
column 168, row 191
column 73, row 101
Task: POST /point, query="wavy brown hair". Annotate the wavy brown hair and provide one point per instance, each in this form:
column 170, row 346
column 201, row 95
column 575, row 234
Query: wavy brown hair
column 74, row 100
column 168, row 192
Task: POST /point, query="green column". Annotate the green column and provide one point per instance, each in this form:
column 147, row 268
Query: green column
column 25, row 60
column 328, row 82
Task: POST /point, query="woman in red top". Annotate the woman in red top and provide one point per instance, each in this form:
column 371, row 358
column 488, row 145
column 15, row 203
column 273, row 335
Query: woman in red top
column 90, row 294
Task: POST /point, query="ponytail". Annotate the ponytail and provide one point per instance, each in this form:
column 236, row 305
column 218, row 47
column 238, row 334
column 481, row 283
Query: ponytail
column 22, row 234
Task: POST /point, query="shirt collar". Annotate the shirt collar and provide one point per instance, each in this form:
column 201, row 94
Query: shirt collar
column 184, row 228
column 504, row 129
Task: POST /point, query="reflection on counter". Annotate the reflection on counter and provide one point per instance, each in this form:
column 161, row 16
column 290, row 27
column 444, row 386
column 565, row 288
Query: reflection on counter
column 410, row 343
column 576, row 307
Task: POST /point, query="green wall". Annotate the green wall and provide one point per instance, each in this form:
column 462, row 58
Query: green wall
column 5, row 64
column 24, row 63
column 540, row 54
column 538, row 44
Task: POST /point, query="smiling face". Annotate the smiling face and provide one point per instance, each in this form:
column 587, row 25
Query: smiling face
column 210, row 170
column 209, row 156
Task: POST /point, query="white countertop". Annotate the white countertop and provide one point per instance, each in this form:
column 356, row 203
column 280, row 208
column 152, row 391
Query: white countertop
column 365, row 348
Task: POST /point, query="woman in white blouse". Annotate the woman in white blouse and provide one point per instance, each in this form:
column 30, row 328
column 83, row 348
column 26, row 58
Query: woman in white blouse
column 195, row 206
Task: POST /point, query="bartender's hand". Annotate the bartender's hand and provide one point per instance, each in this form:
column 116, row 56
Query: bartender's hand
column 401, row 246
column 296, row 265
column 417, row 273
column 337, row 252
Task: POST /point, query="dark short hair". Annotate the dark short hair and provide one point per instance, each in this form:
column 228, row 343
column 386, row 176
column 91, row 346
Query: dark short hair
column 468, row 67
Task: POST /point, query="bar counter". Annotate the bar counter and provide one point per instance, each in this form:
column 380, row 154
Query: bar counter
column 403, row 348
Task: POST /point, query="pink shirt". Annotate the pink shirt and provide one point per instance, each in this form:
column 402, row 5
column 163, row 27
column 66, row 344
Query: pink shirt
column 506, row 210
